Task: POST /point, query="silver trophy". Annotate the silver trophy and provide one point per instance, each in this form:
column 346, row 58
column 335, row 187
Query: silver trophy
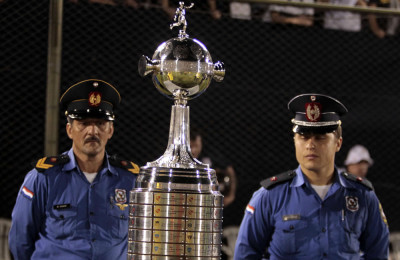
column 176, row 207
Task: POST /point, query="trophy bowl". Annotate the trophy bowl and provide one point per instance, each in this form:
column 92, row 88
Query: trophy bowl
column 181, row 66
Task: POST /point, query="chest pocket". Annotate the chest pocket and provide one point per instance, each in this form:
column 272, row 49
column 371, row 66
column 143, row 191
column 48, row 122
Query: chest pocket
column 351, row 228
column 62, row 222
column 289, row 235
column 118, row 219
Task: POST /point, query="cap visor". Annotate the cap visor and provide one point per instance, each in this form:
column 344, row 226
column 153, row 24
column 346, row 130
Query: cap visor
column 314, row 129
column 84, row 115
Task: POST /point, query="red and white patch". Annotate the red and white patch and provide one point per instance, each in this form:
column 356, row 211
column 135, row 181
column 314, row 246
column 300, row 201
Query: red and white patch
column 352, row 203
column 120, row 195
column 250, row 209
column 313, row 111
column 27, row 192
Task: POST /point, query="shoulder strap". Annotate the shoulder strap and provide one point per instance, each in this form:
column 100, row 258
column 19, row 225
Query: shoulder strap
column 47, row 162
column 125, row 164
column 363, row 181
column 280, row 178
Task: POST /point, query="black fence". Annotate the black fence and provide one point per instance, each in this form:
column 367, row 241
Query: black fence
column 244, row 118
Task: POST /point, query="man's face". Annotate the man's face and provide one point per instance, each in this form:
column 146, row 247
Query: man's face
column 196, row 146
column 359, row 169
column 89, row 136
column 316, row 152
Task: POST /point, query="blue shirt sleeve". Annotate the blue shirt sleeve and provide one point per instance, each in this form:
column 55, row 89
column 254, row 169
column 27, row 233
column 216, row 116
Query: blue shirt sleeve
column 27, row 216
column 374, row 241
column 255, row 229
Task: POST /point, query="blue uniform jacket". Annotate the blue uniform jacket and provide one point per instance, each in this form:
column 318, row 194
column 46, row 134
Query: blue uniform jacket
column 292, row 222
column 60, row 215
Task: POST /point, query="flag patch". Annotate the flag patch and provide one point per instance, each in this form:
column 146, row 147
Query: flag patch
column 250, row 209
column 27, row 193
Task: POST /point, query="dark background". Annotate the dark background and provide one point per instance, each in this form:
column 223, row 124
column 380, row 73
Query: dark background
column 244, row 118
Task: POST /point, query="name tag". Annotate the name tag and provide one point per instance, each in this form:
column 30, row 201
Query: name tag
column 291, row 217
column 62, row 206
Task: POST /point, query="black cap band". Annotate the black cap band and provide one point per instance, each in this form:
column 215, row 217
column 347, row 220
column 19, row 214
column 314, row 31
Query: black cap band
column 79, row 110
column 327, row 118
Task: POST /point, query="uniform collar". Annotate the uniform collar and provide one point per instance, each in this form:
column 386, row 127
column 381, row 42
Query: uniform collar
column 300, row 179
column 72, row 164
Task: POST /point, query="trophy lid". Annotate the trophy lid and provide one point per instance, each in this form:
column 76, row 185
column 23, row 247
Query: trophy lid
column 182, row 67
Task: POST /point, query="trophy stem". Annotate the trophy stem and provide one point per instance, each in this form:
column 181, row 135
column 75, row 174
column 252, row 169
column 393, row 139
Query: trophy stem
column 178, row 153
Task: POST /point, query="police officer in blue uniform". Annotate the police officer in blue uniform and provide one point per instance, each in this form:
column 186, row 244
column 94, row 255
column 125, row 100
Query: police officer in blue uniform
column 75, row 205
column 314, row 212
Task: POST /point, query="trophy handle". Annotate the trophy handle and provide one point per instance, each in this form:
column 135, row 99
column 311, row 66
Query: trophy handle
column 219, row 71
column 146, row 66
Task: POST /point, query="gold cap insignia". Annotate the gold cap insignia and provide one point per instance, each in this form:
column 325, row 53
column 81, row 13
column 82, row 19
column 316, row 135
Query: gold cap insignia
column 313, row 111
column 94, row 98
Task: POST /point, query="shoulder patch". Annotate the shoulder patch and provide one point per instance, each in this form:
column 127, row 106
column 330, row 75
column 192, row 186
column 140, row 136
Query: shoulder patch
column 125, row 164
column 280, row 178
column 363, row 181
column 47, row 162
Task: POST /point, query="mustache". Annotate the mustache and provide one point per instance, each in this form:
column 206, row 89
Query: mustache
column 92, row 139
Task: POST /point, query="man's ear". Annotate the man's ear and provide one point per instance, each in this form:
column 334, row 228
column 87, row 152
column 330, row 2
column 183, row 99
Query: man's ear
column 111, row 130
column 68, row 128
column 339, row 144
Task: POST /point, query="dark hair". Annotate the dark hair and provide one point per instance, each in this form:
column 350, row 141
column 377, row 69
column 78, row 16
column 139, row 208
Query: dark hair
column 338, row 132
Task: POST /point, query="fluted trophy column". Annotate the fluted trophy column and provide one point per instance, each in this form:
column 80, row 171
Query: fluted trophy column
column 176, row 206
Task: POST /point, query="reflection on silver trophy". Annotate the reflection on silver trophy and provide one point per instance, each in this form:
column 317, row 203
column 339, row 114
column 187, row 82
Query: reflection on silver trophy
column 176, row 207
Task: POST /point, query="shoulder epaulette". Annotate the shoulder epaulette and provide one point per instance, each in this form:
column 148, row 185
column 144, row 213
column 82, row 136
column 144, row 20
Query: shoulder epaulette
column 125, row 164
column 357, row 179
column 47, row 162
column 280, row 178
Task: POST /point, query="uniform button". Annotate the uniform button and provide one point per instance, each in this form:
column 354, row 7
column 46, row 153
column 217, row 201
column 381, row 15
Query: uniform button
column 93, row 239
column 324, row 254
column 291, row 227
column 61, row 216
column 323, row 230
column 91, row 213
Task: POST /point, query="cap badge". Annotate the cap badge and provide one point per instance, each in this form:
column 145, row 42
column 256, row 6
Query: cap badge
column 95, row 84
column 313, row 98
column 94, row 99
column 313, row 111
